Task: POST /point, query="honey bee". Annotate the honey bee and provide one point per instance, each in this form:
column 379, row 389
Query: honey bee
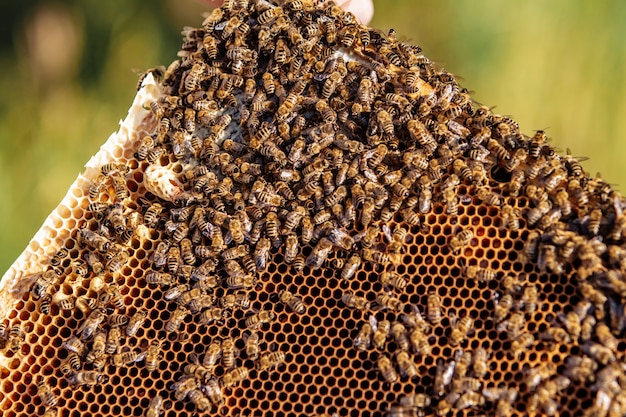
column 510, row 217
column 354, row 301
column 183, row 386
column 434, row 308
column 536, row 143
column 363, row 339
column 228, row 352
column 529, row 298
column 74, row 344
column 523, row 342
column 386, row 369
column 293, row 302
column 480, row 274
column 605, row 337
column 515, row 325
column 87, row 378
column 350, row 267
column 257, row 320
column 381, row 332
column 319, row 254
column 45, row 393
column 253, row 348
column 91, row 323
column 406, row 365
column 113, row 339
column 443, row 376
column 155, row 408
column 234, row 377
column 556, row 334
column 212, row 314
column 460, row 240
column 503, row 307
column 460, row 330
column 161, row 254
column 387, row 301
column 176, row 319
column 580, row 368
column 198, row 399
column 98, row 347
column 42, row 284
column 271, row 360
column 93, row 240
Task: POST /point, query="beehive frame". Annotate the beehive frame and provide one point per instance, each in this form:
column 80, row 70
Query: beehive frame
column 425, row 211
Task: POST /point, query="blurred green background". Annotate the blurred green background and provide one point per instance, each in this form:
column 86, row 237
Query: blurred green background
column 69, row 70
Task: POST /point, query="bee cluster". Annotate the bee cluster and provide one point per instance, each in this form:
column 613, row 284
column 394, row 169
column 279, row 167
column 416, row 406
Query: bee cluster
column 321, row 221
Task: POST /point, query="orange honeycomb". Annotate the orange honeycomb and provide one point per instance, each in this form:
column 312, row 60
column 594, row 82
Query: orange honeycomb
column 303, row 216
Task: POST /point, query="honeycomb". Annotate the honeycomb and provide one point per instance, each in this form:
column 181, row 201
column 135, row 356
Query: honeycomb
column 303, row 216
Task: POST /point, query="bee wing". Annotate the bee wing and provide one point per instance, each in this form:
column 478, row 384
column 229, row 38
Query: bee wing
column 373, row 323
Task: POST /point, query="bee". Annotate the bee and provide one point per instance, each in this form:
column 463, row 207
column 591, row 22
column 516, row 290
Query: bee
column 114, row 337
column 187, row 252
column 536, row 143
column 198, row 399
column 386, row 301
column 87, row 378
column 530, row 246
column 555, row 334
column 98, row 347
column 93, row 240
column 319, row 253
column 271, row 360
column 354, row 301
column 159, row 278
column 74, row 344
column 113, row 296
column 42, row 284
column 421, row 135
column 44, row 307
column 393, row 280
column 605, row 337
column 161, row 254
column 480, row 274
column 406, row 365
column 434, row 308
column 155, row 408
column 183, row 387
column 517, row 182
column 253, row 348
column 529, row 298
column 151, row 215
column 213, row 391
column 173, row 259
column 515, row 325
column 523, row 342
column 381, row 332
column 228, row 352
column 293, row 302
column 91, row 323
column 400, row 335
column 176, row 319
column 443, row 376
column 364, row 338
column 175, row 292
column 470, row 399
column 386, row 369
column 460, row 330
column 460, row 240
column 257, row 320
column 510, row 218
column 580, row 368
column 45, row 393
column 212, row 314
column 489, row 197
column 153, row 355
column 234, row 377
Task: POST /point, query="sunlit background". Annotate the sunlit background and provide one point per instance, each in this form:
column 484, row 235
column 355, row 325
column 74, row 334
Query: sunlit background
column 69, row 71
